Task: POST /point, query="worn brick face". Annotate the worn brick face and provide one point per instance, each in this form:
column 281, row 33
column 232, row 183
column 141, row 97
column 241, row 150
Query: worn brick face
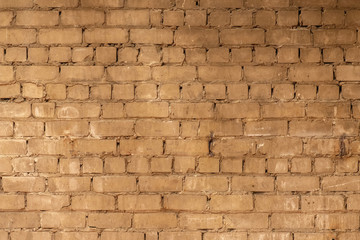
column 179, row 119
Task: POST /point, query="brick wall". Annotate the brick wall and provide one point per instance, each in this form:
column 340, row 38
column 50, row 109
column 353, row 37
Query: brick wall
column 179, row 119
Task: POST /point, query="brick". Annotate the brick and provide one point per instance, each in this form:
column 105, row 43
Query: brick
column 154, row 220
column 29, row 128
column 119, row 235
column 208, row 184
column 292, row 221
column 81, row 73
column 111, row 128
column 331, row 37
column 128, row 18
column 94, row 146
column 60, row 36
column 275, row 203
column 66, row 128
column 32, row 90
column 195, row 18
column 43, row 110
column 196, row 37
column 46, row 202
column 191, row 110
column 242, row 36
column 109, row 220
column 223, row 73
column 260, row 91
column 301, row 183
column 220, row 128
column 6, row 18
column 76, row 235
column 311, row 74
column 270, row 236
column 353, row 202
column 141, row 146
column 82, row 17
column 153, row 128
column 256, row 184
column 114, row 184
column 185, row 202
column 62, row 220
column 238, row 110
column 281, row 110
column 264, row 73
column 266, row 4
column 347, row 73
column 30, row 235
column 23, row 164
column 337, row 221
column 93, row 202
column 322, row 203
column 68, row 184
column 77, row 110
column 225, row 235
column 160, row 184
column 313, row 236
column 219, row 18
column 56, row 3
column 323, row 146
column 186, row 147
column 306, row 128
column 139, row 202
column 102, row 3
column 309, row 3
column 36, row 18
column 345, row 183
column 232, row 147
column 16, row 36
column 328, row 110
column 128, row 73
column 15, row 54
column 150, row 4
column 6, row 129
column 174, row 73
column 151, row 36
column 106, row 35
column 15, row 110
column 289, row 37
column 79, row 92
column 12, row 147
column 23, row 184
column 200, row 221
column 19, row 220
column 266, row 128
column 233, row 203
column 11, row 202
column 180, row 235
column 246, row 221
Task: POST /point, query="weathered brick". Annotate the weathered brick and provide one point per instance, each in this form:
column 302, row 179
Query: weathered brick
column 308, row 129
column 207, row 184
column 196, row 37
column 246, row 221
column 233, row 203
column 60, row 36
column 180, row 235
column 147, row 109
column 322, row 203
column 186, row 147
column 129, row 73
column 275, row 203
column 36, row 18
column 238, row 110
column 82, row 17
column 332, row 36
column 153, row 128
column 81, row 73
column 141, row 146
column 30, row 235
column 139, row 202
column 46, row 202
column 11, row 202
column 309, row 3
column 225, row 235
column 106, row 35
column 266, row 128
column 191, row 110
column 77, row 110
column 345, row 183
column 76, row 235
column 200, row 221
column 109, row 220
column 264, row 73
column 223, row 73
column 16, row 36
column 265, row 3
column 56, row 3
column 154, row 220
column 292, row 221
column 220, row 128
column 111, row 128
column 301, row 183
column 311, row 73
column 185, row 202
column 23, row 184
column 242, row 36
column 19, row 220
column 128, row 18
column 62, row 220
column 68, row 184
column 151, row 36
column 37, row 73
column 66, row 128
column 288, row 37
column 347, row 73
column 338, row 221
column 160, row 184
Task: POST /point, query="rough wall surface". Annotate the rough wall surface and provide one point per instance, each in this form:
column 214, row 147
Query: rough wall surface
column 179, row 119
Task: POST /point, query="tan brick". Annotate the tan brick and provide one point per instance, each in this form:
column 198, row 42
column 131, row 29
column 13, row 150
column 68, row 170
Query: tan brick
column 309, row 3
column 12, row 147
column 185, row 202
column 246, row 221
column 196, row 37
column 200, row 221
column 16, row 36
column 147, row 109
column 46, row 202
column 242, row 36
column 313, row 236
column 109, row 220
column 111, row 128
column 10, row 91
column 66, row 128
column 225, row 235
column 328, row 110
column 43, row 110
column 353, row 201
column 337, row 221
column 30, row 235
column 150, row 4
column 264, row 73
column 180, row 235
column 6, row 18
column 46, row 164
column 323, row 146
column 233, row 203
column 232, row 147
column 154, row 220
column 6, row 129
column 280, row 147
column 347, row 73
column 56, row 3
column 81, row 73
column 23, row 184
column 78, row 110
column 294, row 183
column 128, row 18
column 266, row 128
column 93, row 202
column 62, row 220
column 122, row 235
column 223, row 73
column 60, row 36
column 141, row 146
column 15, row 54
column 19, row 220
column 174, row 73
column 270, row 236
column 288, row 37
column 256, row 184
column 192, row 110
column 160, row 184
column 76, row 235
column 129, row 73
column 41, row 74
column 332, row 36
column 345, row 183
column 106, row 35
column 238, row 110
column 275, row 203
column 12, row 202
column 307, row 129
column 205, row 183
column 29, row 128
column 311, row 73
column 322, row 203
column 186, row 147
column 153, row 128
column 220, row 128
column 281, row 110
column 23, row 164
column 102, row 3
column 82, row 17
column 114, row 184
column 68, row 184
column 292, row 221
column 36, row 18
column 254, row 165
column 265, row 3
column 151, row 36
column 139, row 202
column 48, row 146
